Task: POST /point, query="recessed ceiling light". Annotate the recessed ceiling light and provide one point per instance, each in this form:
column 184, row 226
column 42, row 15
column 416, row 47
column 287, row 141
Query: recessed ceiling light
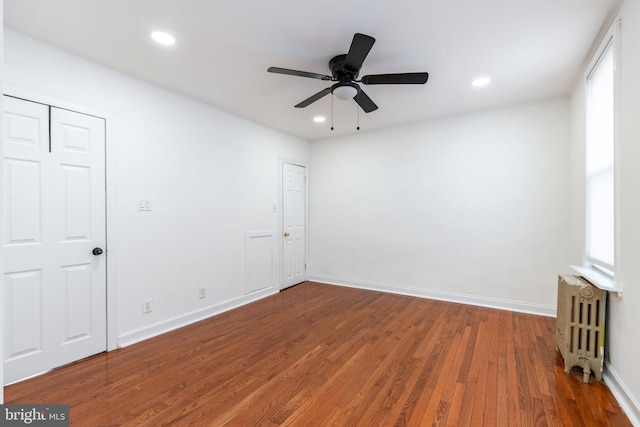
column 480, row 81
column 319, row 119
column 163, row 38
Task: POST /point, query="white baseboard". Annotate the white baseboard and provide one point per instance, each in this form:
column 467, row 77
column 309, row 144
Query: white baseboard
column 159, row 328
column 490, row 302
column 626, row 400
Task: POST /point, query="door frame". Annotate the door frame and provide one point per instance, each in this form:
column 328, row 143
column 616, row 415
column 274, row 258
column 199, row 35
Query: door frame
column 110, row 193
column 305, row 165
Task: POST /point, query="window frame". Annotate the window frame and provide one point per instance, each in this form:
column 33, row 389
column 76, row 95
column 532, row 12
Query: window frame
column 599, row 273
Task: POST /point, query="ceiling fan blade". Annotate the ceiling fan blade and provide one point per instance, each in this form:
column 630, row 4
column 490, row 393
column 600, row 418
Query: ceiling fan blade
column 396, row 79
column 365, row 102
column 298, row 73
column 360, row 47
column 314, row 98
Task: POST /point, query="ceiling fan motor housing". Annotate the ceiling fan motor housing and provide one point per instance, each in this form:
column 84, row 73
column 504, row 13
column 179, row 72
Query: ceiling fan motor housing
column 339, row 72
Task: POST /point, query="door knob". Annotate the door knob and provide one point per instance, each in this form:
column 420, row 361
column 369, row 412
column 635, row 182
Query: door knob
column 97, row 251
column 286, row 234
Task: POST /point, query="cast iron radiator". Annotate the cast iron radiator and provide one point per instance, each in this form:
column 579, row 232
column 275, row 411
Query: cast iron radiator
column 580, row 325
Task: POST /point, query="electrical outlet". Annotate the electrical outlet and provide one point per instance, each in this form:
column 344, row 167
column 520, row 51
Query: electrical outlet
column 202, row 293
column 147, row 306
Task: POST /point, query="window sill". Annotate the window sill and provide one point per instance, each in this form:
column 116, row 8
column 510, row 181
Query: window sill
column 597, row 279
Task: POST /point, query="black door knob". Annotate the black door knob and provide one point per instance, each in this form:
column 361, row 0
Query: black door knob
column 97, row 251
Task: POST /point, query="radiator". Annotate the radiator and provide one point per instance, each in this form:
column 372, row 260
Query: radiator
column 580, row 325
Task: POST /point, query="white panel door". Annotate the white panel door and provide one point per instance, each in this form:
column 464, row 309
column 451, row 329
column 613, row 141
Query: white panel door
column 293, row 224
column 54, row 216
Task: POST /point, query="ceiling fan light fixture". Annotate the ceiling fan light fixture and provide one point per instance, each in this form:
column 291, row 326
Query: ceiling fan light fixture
column 345, row 92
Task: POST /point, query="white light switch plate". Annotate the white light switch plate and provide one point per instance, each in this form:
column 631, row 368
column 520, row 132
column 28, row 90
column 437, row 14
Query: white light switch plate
column 144, row 205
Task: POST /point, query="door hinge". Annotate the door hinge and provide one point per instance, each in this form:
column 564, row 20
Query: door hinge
column 305, row 178
column 305, row 267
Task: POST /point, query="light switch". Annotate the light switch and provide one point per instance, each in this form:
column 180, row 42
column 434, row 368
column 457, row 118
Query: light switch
column 144, row 205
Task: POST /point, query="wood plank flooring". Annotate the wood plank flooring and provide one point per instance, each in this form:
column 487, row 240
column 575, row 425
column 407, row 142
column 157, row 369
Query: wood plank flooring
column 320, row 355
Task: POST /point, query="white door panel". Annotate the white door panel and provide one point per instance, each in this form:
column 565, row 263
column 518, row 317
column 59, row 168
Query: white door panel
column 23, row 296
column 23, row 192
column 54, row 201
column 294, row 224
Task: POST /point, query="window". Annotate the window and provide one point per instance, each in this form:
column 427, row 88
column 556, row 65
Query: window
column 600, row 150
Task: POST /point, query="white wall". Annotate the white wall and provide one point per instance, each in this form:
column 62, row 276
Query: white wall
column 623, row 374
column 471, row 208
column 211, row 177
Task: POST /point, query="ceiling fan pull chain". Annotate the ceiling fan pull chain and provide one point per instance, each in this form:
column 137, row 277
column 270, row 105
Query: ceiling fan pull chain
column 331, row 111
column 358, row 111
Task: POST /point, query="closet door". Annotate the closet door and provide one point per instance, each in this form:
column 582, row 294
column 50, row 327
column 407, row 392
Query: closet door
column 294, row 256
column 54, row 217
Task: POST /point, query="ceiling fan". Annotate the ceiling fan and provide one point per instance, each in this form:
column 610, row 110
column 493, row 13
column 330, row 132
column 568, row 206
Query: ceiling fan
column 344, row 71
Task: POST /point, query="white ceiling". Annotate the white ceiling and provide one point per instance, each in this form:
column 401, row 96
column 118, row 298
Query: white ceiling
column 532, row 50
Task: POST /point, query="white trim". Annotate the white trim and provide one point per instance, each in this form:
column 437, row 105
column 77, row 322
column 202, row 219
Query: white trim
column 168, row 325
column 482, row 301
column 617, row 126
column 111, row 223
column 623, row 395
column 54, row 100
column 604, row 30
column 597, row 279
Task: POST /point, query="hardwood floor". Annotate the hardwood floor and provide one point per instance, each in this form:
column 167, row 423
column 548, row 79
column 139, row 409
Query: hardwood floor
column 320, row 355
